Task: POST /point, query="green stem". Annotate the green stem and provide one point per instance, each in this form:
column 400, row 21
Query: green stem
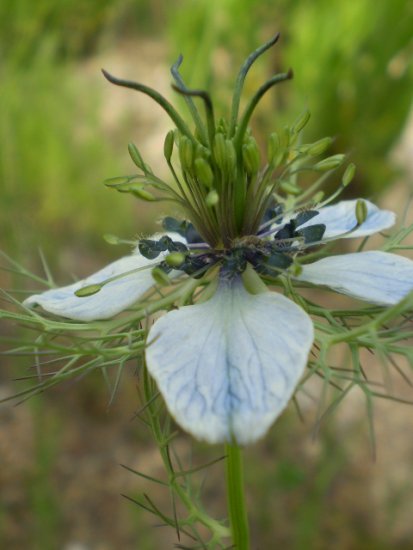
column 241, row 77
column 156, row 96
column 196, row 513
column 236, row 499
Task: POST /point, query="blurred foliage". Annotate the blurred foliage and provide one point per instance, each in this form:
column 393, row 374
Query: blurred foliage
column 352, row 63
column 51, row 159
column 352, row 69
column 54, row 151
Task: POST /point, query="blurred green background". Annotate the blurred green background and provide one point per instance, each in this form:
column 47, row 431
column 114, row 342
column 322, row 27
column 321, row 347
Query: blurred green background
column 63, row 130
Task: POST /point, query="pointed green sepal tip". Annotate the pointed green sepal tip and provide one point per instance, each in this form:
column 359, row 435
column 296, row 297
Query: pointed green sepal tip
column 348, row 175
column 361, row 211
column 175, row 259
column 88, row 291
column 169, row 145
column 136, row 156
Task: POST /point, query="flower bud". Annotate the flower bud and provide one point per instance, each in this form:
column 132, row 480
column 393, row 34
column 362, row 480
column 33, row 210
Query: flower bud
column 251, row 156
column 168, row 145
column 361, row 211
column 225, row 155
column 348, row 175
column 203, row 172
column 316, row 148
column 330, row 163
column 212, row 198
column 186, row 153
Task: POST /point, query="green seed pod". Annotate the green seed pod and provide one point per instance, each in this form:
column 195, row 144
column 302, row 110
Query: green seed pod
column 301, row 122
column 361, row 211
column 348, row 174
column 175, row 259
column 316, row 148
column 160, row 277
column 251, row 156
column 88, row 291
column 203, row 172
column 330, row 163
column 212, row 198
column 168, row 145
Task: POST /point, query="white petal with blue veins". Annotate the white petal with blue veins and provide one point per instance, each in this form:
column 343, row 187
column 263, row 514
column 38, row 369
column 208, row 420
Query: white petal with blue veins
column 377, row 277
column 341, row 217
column 227, row 367
column 113, row 297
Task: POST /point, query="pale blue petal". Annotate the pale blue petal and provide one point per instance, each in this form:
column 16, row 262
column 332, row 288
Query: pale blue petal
column 113, row 298
column 377, row 277
column 110, row 300
column 227, row 367
column 341, row 217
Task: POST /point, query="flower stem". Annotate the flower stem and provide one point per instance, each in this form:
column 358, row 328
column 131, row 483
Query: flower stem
column 236, row 499
column 196, row 512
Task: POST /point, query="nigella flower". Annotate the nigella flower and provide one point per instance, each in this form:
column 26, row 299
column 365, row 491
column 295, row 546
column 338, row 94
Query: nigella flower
column 228, row 361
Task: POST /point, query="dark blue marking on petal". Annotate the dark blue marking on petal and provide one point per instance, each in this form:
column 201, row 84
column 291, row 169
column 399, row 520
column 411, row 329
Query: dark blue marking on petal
column 303, row 217
column 182, row 227
column 313, row 233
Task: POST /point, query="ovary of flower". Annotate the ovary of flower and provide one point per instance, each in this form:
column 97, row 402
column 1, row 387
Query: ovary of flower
column 227, row 367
